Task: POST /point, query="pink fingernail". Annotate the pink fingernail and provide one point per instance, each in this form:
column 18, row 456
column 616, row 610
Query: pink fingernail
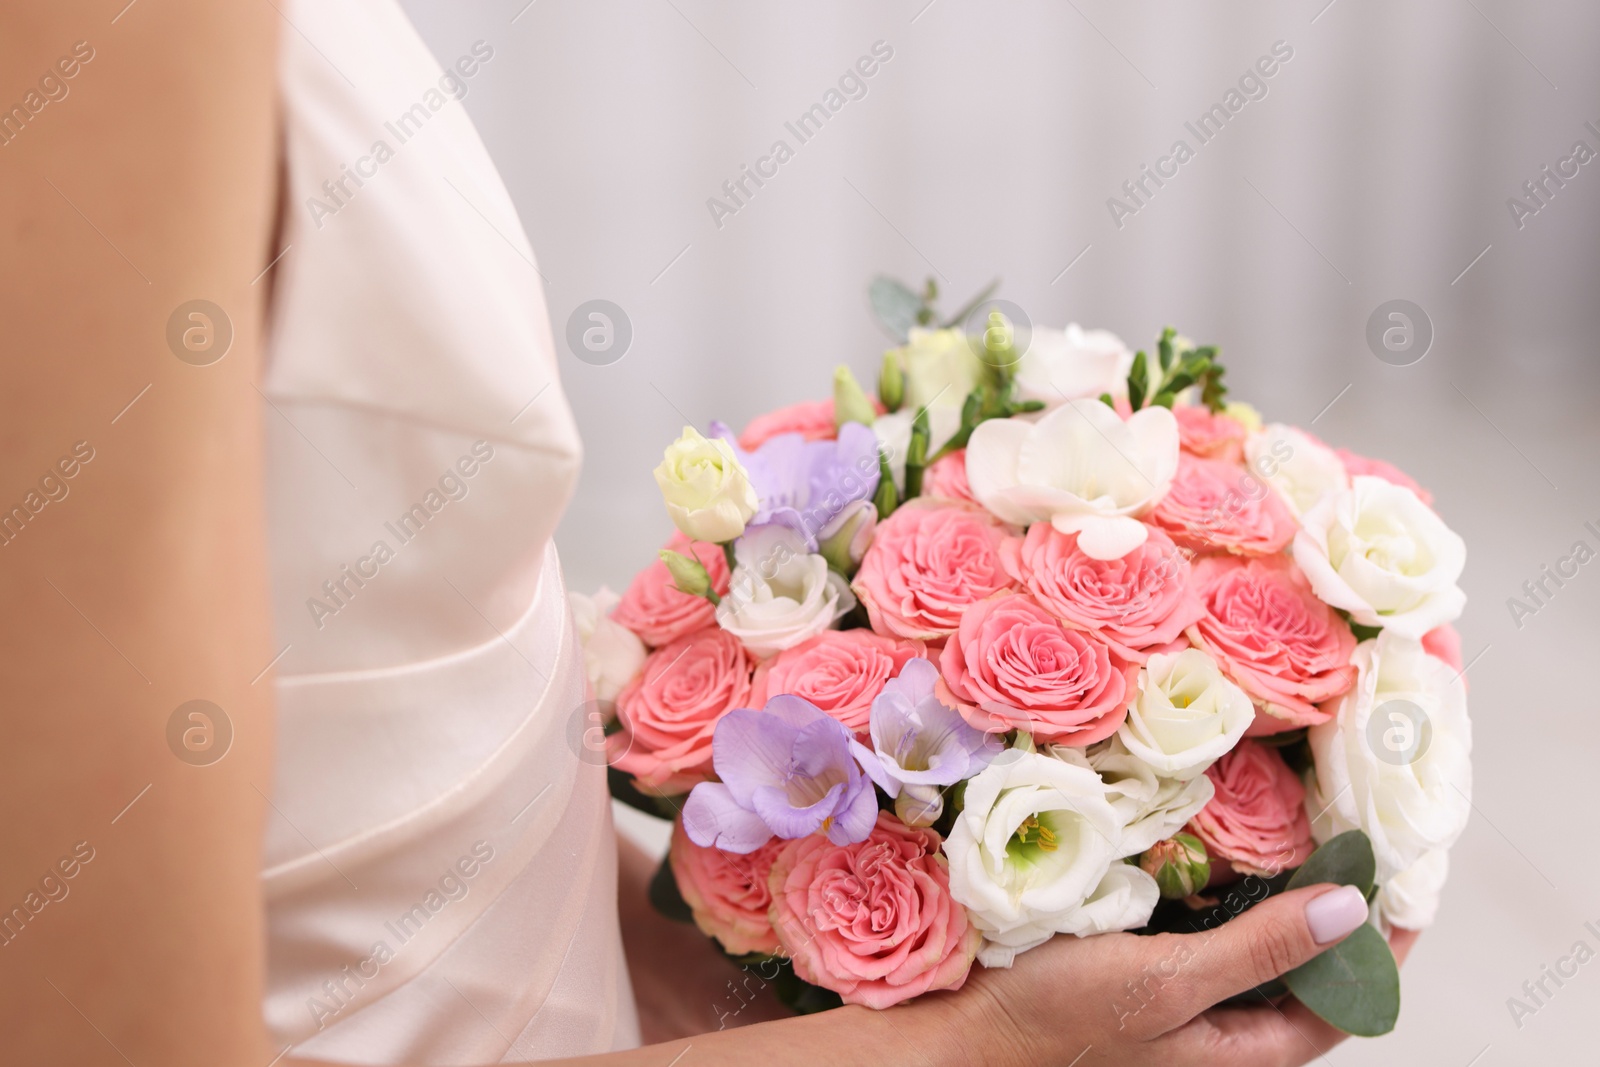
column 1335, row 913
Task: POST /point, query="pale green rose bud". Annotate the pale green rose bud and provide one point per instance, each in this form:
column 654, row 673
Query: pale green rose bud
column 689, row 575
column 1244, row 414
column 850, row 402
column 707, row 492
column 1179, row 865
column 891, row 382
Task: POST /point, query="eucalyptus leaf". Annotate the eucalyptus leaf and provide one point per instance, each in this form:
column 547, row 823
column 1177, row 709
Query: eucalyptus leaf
column 1355, row 985
column 1343, row 860
column 895, row 305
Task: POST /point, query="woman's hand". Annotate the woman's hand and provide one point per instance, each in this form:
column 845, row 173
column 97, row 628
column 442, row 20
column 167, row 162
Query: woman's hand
column 1129, row 1000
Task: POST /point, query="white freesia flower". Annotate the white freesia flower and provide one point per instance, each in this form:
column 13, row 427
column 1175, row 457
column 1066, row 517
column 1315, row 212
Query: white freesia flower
column 1081, row 467
column 1410, row 900
column 1186, row 715
column 1072, row 363
column 1152, row 808
column 1404, row 779
column 1300, row 470
column 1378, row 552
column 612, row 653
column 779, row 594
column 707, row 492
column 1036, row 851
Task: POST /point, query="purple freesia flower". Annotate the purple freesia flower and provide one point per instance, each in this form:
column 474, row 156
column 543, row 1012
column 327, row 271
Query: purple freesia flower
column 809, row 485
column 786, row 771
column 920, row 744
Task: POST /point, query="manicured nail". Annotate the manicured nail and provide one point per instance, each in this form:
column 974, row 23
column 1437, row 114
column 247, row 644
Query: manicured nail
column 1335, row 913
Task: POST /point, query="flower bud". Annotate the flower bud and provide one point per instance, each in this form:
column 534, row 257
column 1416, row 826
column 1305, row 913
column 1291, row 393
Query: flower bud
column 891, row 381
column 919, row 805
column 1244, row 414
column 707, row 492
column 850, row 403
column 844, row 541
column 1179, row 865
column 689, row 575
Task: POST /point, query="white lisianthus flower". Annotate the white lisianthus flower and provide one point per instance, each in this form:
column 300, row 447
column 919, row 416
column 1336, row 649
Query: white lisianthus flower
column 1036, row 851
column 707, row 492
column 612, row 653
column 1410, row 900
column 1072, row 363
column 1081, row 467
column 1186, row 715
column 779, row 594
column 1378, row 552
column 1299, row 469
column 1395, row 759
column 1152, row 808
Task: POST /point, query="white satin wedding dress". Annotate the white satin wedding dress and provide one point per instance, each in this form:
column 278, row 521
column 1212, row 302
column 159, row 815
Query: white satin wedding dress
column 440, row 867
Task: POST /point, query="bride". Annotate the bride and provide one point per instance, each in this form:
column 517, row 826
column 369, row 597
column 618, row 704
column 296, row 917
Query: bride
column 291, row 681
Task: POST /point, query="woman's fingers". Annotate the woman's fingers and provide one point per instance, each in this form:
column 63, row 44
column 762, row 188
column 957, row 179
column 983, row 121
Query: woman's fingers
column 1265, row 1035
column 1196, row 971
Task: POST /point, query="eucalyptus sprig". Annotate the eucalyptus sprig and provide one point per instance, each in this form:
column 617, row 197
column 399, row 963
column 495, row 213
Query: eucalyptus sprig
column 1176, row 369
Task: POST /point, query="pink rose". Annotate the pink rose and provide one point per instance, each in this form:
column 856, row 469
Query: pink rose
column 1214, row 505
column 1358, row 465
column 1212, row 436
column 1256, row 819
column 1272, row 636
column 947, row 477
column 1139, row 604
column 840, row 671
column 670, row 710
column 811, row 419
column 1013, row 666
column 654, row 607
column 929, row 562
column 873, row 921
column 727, row 892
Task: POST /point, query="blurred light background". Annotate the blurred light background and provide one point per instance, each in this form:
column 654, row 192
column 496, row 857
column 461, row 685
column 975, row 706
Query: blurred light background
column 1377, row 166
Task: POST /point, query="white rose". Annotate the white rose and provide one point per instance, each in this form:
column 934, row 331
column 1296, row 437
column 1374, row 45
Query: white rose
column 1186, row 715
column 612, row 653
column 1300, row 470
column 1410, row 899
column 1152, row 808
column 1405, row 782
column 1081, row 467
column 1036, row 851
column 940, row 369
column 779, row 594
column 707, row 492
column 1378, row 552
column 1072, row 363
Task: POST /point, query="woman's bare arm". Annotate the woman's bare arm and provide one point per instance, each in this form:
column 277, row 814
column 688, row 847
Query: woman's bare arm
column 144, row 179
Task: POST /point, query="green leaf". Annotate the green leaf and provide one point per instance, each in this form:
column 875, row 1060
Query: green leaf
column 1343, row 860
column 1164, row 348
column 966, row 309
column 1138, row 380
column 887, row 498
column 895, row 305
column 1364, row 633
column 665, row 897
column 1355, row 985
column 623, row 789
column 917, row 453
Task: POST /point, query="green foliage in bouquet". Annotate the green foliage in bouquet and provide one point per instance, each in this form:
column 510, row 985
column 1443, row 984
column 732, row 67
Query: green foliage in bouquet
column 1178, row 366
column 1354, row 985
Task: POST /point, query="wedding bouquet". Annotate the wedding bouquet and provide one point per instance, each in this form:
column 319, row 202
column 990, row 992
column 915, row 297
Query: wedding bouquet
column 1045, row 638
